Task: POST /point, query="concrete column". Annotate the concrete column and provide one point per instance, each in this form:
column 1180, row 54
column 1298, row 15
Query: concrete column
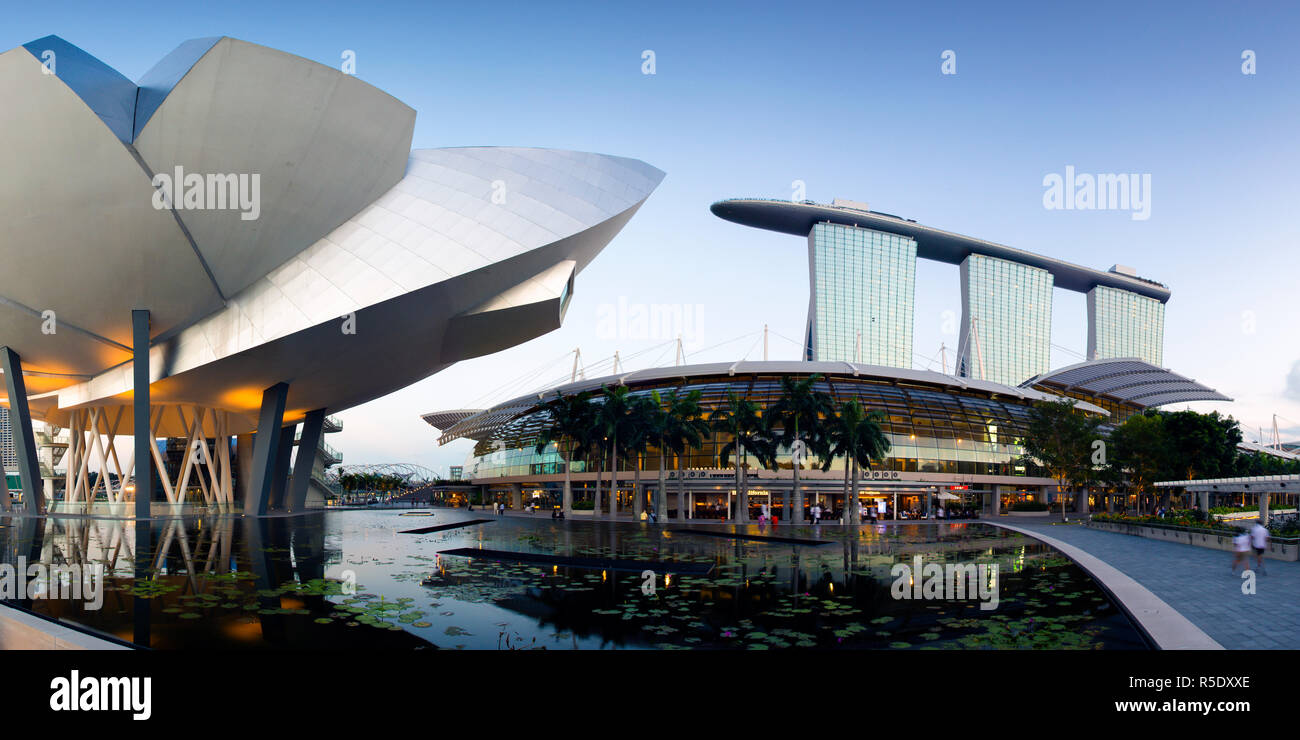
column 1263, row 505
column 20, row 423
column 265, row 448
column 997, row 500
column 243, row 465
column 311, row 434
column 143, row 436
column 283, row 454
column 1084, row 506
column 517, row 496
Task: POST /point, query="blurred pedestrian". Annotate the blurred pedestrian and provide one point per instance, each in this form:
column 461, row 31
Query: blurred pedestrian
column 1241, row 551
column 1259, row 540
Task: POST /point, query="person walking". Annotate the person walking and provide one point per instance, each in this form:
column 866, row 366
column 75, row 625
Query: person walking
column 1241, row 551
column 1259, row 540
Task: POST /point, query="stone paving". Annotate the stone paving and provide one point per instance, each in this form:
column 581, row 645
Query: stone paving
column 1198, row 583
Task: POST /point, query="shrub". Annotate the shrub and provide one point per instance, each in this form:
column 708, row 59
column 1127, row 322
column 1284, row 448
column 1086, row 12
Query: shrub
column 584, row 505
column 1176, row 519
column 1233, row 509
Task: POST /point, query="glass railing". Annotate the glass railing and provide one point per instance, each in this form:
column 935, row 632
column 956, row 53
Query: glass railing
column 323, row 446
column 330, row 452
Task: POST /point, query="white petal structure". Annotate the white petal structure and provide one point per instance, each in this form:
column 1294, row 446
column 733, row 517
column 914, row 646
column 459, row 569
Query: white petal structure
column 368, row 266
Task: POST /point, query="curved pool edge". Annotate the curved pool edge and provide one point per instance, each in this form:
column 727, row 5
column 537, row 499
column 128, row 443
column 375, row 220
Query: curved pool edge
column 21, row 629
column 1163, row 624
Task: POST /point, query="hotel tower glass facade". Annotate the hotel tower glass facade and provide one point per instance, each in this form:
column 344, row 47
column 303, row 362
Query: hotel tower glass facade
column 1125, row 324
column 1006, row 330
column 862, row 295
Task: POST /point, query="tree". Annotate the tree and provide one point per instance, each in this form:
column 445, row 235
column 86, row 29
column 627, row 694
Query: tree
column 570, row 422
column 1060, row 439
column 676, row 425
column 800, row 413
column 1201, row 445
column 642, row 413
column 855, row 435
column 739, row 417
column 613, row 418
column 1139, row 451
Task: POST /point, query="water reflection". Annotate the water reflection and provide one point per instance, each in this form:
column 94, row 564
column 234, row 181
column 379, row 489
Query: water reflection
column 229, row 582
column 211, row 582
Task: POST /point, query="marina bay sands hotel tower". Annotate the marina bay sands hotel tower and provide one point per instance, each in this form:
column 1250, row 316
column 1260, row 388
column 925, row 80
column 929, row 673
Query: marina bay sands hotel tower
column 862, row 270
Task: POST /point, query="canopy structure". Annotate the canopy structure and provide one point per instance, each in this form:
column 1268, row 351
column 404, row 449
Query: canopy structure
column 1247, row 484
column 1126, row 380
column 1267, row 450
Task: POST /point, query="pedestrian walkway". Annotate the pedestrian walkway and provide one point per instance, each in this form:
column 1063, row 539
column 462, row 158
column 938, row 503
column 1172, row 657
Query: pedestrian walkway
column 1197, row 583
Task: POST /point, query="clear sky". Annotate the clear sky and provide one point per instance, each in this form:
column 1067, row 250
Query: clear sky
column 850, row 99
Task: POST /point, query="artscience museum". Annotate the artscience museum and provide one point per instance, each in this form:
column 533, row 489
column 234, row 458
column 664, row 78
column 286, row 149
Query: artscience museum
column 241, row 243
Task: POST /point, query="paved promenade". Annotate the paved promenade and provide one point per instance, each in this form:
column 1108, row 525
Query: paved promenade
column 1197, row 582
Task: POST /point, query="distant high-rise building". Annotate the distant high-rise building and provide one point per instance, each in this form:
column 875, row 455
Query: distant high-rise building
column 863, row 283
column 1124, row 324
column 1006, row 330
column 8, row 453
column 862, row 297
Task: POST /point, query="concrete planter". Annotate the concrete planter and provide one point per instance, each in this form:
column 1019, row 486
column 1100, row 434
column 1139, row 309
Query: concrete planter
column 1278, row 549
column 1029, row 513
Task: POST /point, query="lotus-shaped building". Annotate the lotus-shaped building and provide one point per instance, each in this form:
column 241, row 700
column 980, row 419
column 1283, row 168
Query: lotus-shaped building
column 244, row 240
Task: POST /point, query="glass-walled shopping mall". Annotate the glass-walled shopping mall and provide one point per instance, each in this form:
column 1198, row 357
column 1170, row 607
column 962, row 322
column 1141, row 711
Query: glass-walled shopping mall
column 957, row 437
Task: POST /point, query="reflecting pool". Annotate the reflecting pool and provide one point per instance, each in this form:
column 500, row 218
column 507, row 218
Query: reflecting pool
column 365, row 579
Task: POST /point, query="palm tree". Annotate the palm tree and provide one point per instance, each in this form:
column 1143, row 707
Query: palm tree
column 856, row 435
column 740, row 418
column 613, row 419
column 570, row 424
column 642, row 413
column 800, row 412
column 678, row 427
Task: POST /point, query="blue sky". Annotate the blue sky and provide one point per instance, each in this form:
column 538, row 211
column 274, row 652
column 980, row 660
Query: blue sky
column 849, row 99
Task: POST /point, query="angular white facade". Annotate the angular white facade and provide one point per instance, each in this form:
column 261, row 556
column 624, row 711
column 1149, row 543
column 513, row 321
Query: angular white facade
column 368, row 267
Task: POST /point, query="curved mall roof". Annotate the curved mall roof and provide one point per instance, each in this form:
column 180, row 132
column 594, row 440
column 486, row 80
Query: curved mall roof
column 432, row 255
column 790, row 217
column 1127, row 380
column 480, row 425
